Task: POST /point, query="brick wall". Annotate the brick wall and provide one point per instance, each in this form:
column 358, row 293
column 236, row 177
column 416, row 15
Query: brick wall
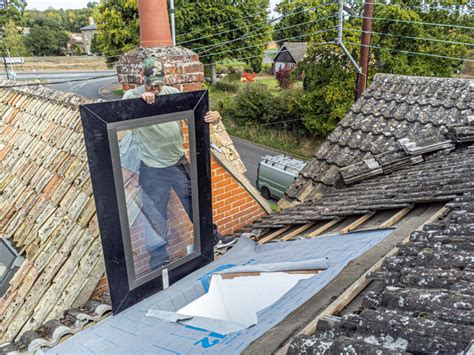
column 232, row 205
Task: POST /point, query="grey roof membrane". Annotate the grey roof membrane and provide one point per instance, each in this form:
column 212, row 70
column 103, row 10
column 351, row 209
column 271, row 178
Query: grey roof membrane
column 393, row 107
column 424, row 302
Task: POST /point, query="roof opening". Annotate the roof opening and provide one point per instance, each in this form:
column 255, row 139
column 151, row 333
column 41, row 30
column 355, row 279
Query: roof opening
column 238, row 297
column 10, row 262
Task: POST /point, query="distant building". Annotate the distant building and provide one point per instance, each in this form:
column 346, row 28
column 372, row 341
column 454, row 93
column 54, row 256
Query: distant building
column 88, row 34
column 289, row 55
column 75, row 44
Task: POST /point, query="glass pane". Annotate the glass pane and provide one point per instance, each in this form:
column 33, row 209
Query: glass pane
column 156, row 173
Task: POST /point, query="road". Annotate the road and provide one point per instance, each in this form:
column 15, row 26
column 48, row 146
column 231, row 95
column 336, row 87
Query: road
column 250, row 153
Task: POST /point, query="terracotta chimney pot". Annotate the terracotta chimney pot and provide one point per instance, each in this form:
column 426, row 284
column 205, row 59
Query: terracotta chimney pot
column 154, row 23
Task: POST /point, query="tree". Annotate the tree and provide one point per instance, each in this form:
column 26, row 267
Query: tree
column 13, row 40
column 118, row 27
column 14, row 12
column 202, row 26
column 209, row 27
column 329, row 76
column 46, row 37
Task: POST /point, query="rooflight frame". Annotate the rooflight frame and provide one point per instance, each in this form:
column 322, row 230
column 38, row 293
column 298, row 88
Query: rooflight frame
column 101, row 122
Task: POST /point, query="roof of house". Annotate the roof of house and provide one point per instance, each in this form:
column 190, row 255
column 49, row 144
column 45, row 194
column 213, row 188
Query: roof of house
column 440, row 177
column 48, row 212
column 296, row 49
column 412, row 144
column 423, row 302
column 46, row 208
column 92, row 27
column 393, row 107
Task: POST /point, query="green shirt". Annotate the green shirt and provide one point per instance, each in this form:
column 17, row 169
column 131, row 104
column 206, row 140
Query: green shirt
column 161, row 145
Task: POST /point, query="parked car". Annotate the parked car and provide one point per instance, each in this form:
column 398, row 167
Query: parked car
column 276, row 173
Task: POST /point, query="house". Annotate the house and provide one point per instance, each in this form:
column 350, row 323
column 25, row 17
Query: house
column 88, row 33
column 403, row 158
column 289, row 55
column 75, row 43
column 48, row 215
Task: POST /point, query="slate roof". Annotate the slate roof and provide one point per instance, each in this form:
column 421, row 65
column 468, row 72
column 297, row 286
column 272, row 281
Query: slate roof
column 425, row 300
column 393, row 107
column 443, row 176
column 92, row 27
column 296, row 49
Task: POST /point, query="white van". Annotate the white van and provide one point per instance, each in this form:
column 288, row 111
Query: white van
column 276, row 173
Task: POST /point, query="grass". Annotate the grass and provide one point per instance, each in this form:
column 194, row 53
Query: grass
column 284, row 141
column 65, row 63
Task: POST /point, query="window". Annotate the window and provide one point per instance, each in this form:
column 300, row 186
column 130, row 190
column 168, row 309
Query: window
column 150, row 169
column 10, row 262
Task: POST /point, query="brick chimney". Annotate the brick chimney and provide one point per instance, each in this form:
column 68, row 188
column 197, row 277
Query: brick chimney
column 182, row 67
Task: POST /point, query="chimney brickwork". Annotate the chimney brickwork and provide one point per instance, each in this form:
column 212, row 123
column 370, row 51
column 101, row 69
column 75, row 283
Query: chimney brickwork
column 182, row 68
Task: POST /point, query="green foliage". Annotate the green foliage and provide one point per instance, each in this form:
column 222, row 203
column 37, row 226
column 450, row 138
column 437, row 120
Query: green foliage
column 205, row 18
column 227, row 86
column 13, row 40
column 14, row 12
column 46, row 37
column 329, row 79
column 394, row 61
column 118, row 27
column 68, row 20
column 254, row 105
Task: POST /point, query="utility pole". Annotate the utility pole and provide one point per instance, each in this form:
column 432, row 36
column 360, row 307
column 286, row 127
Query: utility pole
column 5, row 64
column 173, row 25
column 365, row 49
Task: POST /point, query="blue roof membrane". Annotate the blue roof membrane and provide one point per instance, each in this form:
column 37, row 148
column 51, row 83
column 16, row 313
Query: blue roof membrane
column 133, row 332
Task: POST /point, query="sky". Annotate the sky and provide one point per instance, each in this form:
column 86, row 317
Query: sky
column 74, row 4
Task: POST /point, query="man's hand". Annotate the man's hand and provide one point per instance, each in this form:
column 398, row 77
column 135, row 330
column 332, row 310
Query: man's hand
column 149, row 97
column 212, row 117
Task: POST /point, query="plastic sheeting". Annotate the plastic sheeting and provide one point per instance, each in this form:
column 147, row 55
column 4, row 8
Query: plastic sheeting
column 133, row 332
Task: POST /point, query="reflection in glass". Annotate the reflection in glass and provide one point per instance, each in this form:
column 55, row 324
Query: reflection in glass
column 157, row 184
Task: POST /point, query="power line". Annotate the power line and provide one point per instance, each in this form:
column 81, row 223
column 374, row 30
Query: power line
column 413, row 53
column 284, row 39
column 410, row 37
column 426, row 7
column 239, row 28
column 416, row 22
column 250, row 16
column 220, row 24
column 261, row 44
column 57, row 82
column 251, row 32
column 256, row 56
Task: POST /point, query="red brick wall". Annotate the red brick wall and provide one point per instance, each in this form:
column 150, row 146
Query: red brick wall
column 232, row 205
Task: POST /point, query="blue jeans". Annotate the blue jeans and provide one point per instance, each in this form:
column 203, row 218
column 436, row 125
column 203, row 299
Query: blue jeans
column 156, row 184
